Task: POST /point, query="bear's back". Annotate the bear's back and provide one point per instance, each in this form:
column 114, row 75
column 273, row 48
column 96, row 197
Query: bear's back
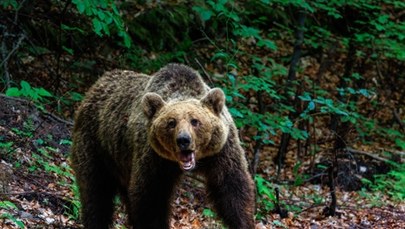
column 115, row 87
column 177, row 82
column 104, row 112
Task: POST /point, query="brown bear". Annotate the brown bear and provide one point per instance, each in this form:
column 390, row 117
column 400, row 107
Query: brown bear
column 135, row 135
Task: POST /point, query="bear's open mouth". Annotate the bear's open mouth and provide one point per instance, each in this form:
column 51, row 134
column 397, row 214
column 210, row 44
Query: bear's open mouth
column 187, row 160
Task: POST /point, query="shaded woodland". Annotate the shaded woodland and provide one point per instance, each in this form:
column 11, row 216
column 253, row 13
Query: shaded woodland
column 316, row 89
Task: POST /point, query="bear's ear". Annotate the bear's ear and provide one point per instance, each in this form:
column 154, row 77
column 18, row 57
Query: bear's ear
column 214, row 100
column 151, row 103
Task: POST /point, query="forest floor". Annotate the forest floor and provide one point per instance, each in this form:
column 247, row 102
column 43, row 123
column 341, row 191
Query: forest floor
column 36, row 189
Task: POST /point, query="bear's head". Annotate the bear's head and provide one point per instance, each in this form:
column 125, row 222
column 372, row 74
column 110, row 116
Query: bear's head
column 186, row 131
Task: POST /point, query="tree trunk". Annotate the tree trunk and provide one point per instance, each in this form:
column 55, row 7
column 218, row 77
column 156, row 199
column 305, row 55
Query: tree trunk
column 299, row 39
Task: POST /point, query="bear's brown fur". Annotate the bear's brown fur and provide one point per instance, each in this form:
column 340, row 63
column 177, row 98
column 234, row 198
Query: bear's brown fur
column 135, row 135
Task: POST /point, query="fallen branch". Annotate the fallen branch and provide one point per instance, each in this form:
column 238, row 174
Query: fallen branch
column 56, row 118
column 45, row 113
column 400, row 153
column 367, row 154
column 14, row 98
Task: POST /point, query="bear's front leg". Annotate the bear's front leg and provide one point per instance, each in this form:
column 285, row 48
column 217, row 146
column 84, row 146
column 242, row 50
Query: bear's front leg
column 152, row 182
column 231, row 190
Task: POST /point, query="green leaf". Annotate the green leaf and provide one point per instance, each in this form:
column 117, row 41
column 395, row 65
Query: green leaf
column 25, row 87
column 68, row 28
column 39, row 141
column 106, row 29
column 356, row 76
column 267, row 43
column 321, row 166
column 126, row 37
column 79, row 5
column 205, row 14
column 97, row 26
column 305, row 97
column 364, row 92
column 43, row 92
column 400, row 142
column 68, row 50
column 101, row 15
column 13, row 219
column 246, row 31
column 383, row 18
column 65, row 142
column 208, row 213
column 263, row 187
column 76, row 96
column 115, row 9
column 220, row 55
column 232, row 79
column 118, row 22
column 311, row 105
column 7, row 3
column 232, row 65
column 109, row 18
column 235, row 113
column 7, row 204
column 13, row 91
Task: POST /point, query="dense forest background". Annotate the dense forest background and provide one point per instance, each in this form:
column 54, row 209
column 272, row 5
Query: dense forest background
column 317, row 89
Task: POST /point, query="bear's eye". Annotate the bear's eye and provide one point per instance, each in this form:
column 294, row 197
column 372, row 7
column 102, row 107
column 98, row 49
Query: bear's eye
column 194, row 122
column 171, row 123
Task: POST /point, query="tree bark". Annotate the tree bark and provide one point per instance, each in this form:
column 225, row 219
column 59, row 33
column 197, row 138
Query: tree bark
column 299, row 39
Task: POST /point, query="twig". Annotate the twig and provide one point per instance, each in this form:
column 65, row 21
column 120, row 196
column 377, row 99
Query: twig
column 367, row 154
column 203, row 69
column 256, row 157
column 5, row 57
column 6, row 74
column 400, row 153
column 311, row 178
column 18, row 43
column 310, row 207
column 67, row 122
column 20, row 5
column 259, row 141
column 398, row 119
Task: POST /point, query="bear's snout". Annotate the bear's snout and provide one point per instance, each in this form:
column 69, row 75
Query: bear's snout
column 183, row 140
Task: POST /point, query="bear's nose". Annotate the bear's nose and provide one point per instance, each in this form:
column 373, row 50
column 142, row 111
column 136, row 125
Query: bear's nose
column 183, row 141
